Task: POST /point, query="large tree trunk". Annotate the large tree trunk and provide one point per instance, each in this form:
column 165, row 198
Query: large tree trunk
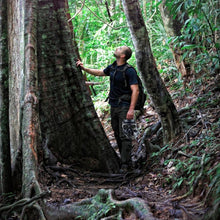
column 150, row 75
column 43, row 98
column 173, row 26
column 69, row 124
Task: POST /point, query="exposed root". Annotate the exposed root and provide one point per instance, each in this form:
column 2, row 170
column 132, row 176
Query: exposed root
column 65, row 181
column 101, row 206
column 21, row 205
column 64, row 169
column 31, row 207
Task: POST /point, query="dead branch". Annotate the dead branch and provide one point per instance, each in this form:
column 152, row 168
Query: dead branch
column 107, row 8
column 178, row 198
column 188, row 214
column 183, row 154
column 177, row 149
column 110, row 175
column 210, row 189
column 116, row 216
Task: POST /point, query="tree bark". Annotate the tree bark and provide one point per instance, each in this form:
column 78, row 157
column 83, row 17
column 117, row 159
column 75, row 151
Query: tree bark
column 30, row 120
column 69, row 123
column 5, row 156
column 150, row 75
column 16, row 11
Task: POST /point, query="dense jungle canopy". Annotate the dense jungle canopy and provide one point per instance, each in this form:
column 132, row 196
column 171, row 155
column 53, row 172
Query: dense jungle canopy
column 58, row 154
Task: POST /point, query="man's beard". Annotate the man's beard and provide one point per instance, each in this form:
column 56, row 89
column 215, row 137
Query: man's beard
column 116, row 56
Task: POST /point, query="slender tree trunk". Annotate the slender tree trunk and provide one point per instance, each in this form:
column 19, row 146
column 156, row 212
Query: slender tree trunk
column 173, row 28
column 150, row 75
column 5, row 156
column 67, row 12
column 30, row 120
column 113, row 4
column 16, row 11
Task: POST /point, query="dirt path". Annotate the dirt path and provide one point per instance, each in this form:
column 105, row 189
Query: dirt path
column 151, row 182
column 146, row 185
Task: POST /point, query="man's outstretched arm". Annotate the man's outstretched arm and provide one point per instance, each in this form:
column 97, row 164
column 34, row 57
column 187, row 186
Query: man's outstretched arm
column 95, row 72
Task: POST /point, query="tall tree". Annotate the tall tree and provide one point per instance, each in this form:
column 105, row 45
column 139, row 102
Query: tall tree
column 43, row 96
column 150, row 75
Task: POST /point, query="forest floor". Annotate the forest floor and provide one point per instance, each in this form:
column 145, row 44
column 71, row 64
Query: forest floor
column 162, row 183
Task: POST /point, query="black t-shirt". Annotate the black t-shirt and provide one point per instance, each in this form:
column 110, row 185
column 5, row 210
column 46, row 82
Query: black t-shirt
column 117, row 83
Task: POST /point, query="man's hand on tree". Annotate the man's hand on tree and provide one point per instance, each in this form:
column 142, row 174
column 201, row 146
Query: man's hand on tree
column 79, row 64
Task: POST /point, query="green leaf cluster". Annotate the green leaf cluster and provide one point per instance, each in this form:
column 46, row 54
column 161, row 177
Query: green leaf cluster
column 199, row 37
column 97, row 37
column 198, row 164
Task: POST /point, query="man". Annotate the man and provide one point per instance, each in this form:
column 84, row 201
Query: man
column 120, row 109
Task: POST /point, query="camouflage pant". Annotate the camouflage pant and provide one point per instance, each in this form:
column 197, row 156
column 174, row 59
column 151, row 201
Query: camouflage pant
column 118, row 114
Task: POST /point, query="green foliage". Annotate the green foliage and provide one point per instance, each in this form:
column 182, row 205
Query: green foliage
column 162, row 150
column 193, row 162
column 97, row 38
column 199, row 34
column 103, row 209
